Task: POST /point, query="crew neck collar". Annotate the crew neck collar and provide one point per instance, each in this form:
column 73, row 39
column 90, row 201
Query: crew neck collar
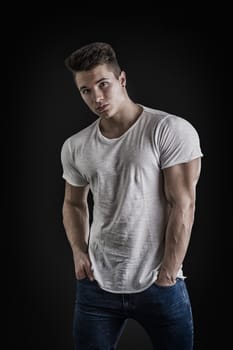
column 110, row 140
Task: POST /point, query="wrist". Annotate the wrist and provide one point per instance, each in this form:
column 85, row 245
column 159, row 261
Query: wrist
column 77, row 249
column 165, row 276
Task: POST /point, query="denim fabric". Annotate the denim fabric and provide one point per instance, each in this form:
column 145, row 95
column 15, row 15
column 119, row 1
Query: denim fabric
column 101, row 316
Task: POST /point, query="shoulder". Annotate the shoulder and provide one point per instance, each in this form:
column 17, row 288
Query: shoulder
column 162, row 121
column 154, row 115
column 172, row 124
column 177, row 122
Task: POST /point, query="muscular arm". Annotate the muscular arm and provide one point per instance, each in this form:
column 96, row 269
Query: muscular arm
column 180, row 189
column 76, row 223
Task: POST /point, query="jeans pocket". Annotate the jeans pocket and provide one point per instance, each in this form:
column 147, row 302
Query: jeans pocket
column 82, row 279
column 166, row 287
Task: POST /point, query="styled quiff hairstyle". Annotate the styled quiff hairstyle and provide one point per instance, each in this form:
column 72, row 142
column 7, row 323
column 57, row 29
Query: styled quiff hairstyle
column 92, row 55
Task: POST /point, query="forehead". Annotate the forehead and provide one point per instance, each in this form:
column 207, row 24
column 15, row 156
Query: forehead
column 90, row 77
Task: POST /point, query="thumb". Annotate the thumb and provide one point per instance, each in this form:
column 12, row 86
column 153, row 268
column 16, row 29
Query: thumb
column 89, row 271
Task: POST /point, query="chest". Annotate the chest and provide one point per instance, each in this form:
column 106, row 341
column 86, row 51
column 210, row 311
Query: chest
column 118, row 158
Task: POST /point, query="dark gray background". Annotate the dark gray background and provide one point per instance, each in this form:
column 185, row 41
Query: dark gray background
column 178, row 64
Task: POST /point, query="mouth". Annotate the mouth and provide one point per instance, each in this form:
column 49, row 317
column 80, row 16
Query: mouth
column 102, row 108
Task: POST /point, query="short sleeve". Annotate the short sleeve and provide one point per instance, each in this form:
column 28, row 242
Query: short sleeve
column 70, row 171
column 178, row 141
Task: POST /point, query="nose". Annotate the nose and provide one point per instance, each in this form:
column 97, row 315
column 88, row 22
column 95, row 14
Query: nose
column 97, row 96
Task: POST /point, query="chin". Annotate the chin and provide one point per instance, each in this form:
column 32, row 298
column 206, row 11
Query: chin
column 106, row 116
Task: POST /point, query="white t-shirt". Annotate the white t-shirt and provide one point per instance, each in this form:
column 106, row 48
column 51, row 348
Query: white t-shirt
column 126, row 242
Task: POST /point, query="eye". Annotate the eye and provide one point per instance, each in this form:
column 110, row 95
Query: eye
column 104, row 84
column 85, row 91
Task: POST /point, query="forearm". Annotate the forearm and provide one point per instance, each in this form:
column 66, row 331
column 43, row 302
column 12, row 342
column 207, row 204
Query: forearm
column 176, row 241
column 76, row 223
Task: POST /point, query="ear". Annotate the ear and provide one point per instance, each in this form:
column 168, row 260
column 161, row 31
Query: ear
column 122, row 78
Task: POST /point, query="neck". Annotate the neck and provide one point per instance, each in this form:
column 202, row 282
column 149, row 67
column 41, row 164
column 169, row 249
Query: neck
column 126, row 116
column 115, row 126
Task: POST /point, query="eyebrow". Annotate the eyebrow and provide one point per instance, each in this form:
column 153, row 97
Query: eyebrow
column 98, row 81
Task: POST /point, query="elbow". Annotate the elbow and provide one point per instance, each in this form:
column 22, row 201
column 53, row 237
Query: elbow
column 185, row 204
column 64, row 214
column 185, row 209
column 191, row 210
column 191, row 204
column 71, row 210
column 188, row 203
column 188, row 211
column 67, row 210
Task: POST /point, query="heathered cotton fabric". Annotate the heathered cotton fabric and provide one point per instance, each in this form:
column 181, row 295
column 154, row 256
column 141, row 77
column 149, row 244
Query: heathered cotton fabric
column 126, row 241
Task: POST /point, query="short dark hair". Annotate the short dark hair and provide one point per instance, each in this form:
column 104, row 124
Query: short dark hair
column 92, row 55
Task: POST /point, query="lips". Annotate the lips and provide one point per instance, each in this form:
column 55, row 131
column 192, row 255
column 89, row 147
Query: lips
column 102, row 108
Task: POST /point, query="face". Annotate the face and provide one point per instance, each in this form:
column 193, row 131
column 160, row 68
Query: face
column 103, row 93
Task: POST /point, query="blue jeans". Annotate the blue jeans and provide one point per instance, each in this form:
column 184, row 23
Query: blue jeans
column 164, row 312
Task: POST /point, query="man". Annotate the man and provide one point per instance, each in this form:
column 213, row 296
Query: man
column 142, row 166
